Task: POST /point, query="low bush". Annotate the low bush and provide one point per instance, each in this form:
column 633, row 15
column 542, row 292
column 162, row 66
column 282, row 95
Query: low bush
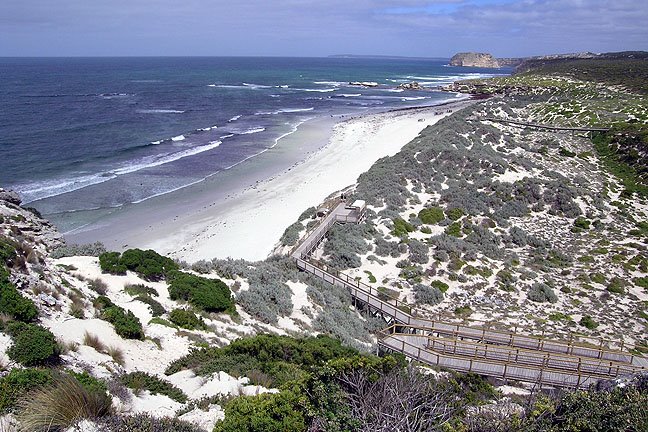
column 402, row 228
column 110, row 263
column 440, row 285
column 139, row 381
column 126, row 324
column 13, row 304
column 91, row 249
column 582, row 223
column 263, row 413
column 148, row 264
column 18, row 383
column 155, row 306
column 62, row 404
column 186, row 319
column 33, row 345
column 616, row 285
column 139, row 289
column 454, row 230
column 454, row 213
column 291, row 234
column 431, row 215
column 588, row 322
column 541, row 293
column 142, row 422
column 427, row 294
column 210, row 295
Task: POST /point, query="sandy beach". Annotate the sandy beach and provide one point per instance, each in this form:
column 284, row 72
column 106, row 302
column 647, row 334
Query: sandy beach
column 201, row 222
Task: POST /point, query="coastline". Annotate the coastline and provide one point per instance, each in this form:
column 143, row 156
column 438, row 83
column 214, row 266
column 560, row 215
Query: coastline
column 223, row 217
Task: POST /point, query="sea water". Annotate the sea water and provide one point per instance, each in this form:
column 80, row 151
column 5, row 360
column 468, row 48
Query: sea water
column 93, row 133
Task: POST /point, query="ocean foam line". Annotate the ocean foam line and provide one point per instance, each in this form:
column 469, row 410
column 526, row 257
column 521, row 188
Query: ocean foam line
column 178, row 138
column 159, row 111
column 347, row 95
column 294, row 129
column 40, row 190
column 252, row 131
column 413, row 98
column 284, row 110
column 333, row 83
column 328, row 90
column 233, row 119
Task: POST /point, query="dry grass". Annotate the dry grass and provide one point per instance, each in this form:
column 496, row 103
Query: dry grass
column 98, row 286
column 94, row 342
column 61, row 405
column 117, row 355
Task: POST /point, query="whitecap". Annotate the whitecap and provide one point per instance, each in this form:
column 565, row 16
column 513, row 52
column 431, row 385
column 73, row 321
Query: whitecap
column 346, row 95
column 178, row 138
column 252, row 131
column 165, row 158
column 405, row 99
column 328, row 90
column 256, row 86
column 159, row 111
column 233, row 119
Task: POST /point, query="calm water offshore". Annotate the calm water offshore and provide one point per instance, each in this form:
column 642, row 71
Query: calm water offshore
column 88, row 133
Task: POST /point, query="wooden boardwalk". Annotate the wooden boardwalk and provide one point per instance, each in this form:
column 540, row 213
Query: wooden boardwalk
column 482, row 350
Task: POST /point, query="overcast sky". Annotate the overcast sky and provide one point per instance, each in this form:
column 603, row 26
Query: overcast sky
column 434, row 28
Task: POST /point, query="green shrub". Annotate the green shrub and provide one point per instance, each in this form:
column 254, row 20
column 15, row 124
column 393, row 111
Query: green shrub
column 18, row 383
column 454, row 229
column 455, row 213
column 598, row 278
column 401, row 227
column 32, row 344
column 431, row 216
column 582, row 223
column 588, row 322
column 155, row 307
column 616, row 286
column 110, row 263
column 210, row 295
column 142, row 381
column 14, row 304
column 641, row 282
column 7, row 251
column 142, row 422
column 126, row 324
column 441, row 286
column 139, row 289
column 263, row 413
column 149, row 264
column 186, row 319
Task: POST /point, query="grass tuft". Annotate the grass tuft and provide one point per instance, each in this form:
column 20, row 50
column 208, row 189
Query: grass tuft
column 61, row 405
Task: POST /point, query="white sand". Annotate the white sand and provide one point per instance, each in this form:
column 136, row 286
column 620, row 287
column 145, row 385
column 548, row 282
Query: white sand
column 254, row 220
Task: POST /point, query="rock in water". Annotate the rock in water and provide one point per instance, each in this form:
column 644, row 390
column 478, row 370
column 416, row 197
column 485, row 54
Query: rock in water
column 471, row 59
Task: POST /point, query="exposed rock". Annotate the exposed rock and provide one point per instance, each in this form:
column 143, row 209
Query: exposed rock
column 10, row 196
column 472, row 59
column 411, row 86
column 364, row 83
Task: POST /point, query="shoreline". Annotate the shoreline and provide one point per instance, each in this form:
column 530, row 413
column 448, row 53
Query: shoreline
column 224, row 217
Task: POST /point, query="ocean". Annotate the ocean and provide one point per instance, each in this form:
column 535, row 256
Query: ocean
column 80, row 134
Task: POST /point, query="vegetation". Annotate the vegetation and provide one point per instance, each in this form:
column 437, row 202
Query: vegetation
column 210, row 295
column 126, row 324
column 148, row 264
column 62, row 403
column 431, row 215
column 402, row 228
column 33, row 345
column 139, row 381
column 92, row 249
column 19, row 382
column 186, row 319
column 427, row 294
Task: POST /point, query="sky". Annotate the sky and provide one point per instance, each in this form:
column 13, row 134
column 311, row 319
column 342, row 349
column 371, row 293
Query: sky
column 433, row 28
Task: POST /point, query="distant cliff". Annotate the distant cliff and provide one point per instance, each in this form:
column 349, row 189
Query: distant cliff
column 472, row 59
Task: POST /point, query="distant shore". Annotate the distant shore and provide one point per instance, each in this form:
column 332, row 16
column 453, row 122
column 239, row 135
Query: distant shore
column 226, row 217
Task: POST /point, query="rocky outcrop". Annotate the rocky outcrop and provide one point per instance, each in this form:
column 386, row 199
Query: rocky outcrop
column 10, row 197
column 411, row 86
column 472, row 59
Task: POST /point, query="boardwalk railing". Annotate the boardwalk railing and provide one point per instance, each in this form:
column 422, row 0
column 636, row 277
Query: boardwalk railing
column 482, row 350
